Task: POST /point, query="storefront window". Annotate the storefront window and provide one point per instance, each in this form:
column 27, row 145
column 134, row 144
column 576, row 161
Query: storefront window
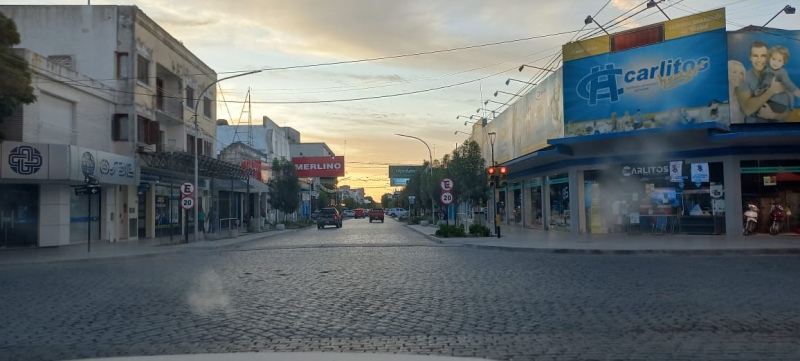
column 19, row 215
column 167, row 211
column 559, row 202
column 84, row 217
column 769, row 183
column 516, row 213
column 533, row 218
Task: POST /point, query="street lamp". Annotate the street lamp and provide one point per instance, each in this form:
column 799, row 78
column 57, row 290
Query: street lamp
column 430, row 159
column 589, row 19
column 493, row 111
column 509, row 80
column 470, row 117
column 492, row 138
column 196, row 137
column 487, row 102
column 458, row 131
column 788, row 9
column 512, row 94
column 653, row 3
column 523, row 66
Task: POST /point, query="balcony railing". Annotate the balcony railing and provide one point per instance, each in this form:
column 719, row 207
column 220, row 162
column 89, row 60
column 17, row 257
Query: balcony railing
column 170, row 105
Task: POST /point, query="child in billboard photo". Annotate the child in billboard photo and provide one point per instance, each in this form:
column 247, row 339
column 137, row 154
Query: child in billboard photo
column 774, row 71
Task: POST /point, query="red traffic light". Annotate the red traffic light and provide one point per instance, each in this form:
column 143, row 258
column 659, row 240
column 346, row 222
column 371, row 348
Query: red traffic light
column 503, row 170
column 492, row 170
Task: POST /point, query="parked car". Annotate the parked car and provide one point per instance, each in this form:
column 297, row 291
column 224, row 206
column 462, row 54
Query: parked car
column 348, row 213
column 314, row 215
column 396, row 212
column 359, row 213
column 329, row 216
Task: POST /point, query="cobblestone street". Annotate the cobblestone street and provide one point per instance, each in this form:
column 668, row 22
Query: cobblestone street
column 372, row 287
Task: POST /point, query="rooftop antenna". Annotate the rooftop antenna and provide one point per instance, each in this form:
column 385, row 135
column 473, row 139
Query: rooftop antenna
column 245, row 127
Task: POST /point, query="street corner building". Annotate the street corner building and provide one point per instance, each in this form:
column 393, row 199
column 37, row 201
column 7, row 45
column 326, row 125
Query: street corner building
column 119, row 115
column 655, row 129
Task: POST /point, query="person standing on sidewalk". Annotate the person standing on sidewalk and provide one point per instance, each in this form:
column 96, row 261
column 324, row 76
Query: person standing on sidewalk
column 212, row 220
column 201, row 220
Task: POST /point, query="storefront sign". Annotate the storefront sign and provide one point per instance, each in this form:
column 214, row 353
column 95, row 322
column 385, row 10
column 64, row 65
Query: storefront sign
column 645, row 170
column 614, row 90
column 108, row 168
column 676, row 171
column 700, row 172
column 752, row 170
column 319, row 166
column 34, row 161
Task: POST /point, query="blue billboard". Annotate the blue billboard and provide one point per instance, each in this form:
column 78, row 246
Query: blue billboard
column 680, row 77
column 763, row 77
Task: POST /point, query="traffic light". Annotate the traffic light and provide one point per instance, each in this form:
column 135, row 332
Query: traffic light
column 492, row 171
column 503, row 177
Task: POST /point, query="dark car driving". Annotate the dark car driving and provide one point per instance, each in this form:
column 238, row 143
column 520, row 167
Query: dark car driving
column 329, row 216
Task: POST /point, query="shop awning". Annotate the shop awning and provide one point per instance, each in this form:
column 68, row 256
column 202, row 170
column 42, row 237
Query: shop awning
column 643, row 141
column 774, row 134
column 538, row 158
column 184, row 162
column 240, row 186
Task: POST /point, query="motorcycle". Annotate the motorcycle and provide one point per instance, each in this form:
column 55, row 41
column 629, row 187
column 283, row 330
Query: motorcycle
column 751, row 219
column 777, row 215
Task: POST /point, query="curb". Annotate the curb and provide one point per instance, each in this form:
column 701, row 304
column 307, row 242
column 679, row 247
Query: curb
column 618, row 252
column 89, row 260
column 164, row 251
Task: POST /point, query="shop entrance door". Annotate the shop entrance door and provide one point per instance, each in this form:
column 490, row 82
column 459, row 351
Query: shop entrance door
column 19, row 216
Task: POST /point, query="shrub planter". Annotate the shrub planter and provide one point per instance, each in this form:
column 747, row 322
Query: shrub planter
column 423, row 223
column 280, row 226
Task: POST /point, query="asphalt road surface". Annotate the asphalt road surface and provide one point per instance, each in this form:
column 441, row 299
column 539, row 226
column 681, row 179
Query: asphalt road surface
column 380, row 287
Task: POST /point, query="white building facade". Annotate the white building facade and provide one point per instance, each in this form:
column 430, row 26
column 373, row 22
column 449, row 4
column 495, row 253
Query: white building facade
column 151, row 86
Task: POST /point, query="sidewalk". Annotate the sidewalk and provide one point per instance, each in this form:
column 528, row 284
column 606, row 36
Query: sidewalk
column 523, row 239
column 117, row 250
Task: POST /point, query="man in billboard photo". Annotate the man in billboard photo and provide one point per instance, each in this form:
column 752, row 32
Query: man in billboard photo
column 754, row 106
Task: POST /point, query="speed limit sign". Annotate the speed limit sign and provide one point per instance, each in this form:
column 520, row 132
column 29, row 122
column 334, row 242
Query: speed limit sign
column 187, row 203
column 446, row 198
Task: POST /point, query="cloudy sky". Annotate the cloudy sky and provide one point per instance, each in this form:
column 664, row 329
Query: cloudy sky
column 421, row 94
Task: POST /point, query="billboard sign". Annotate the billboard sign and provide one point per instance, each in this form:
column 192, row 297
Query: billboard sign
column 319, row 166
column 755, row 58
column 399, row 175
column 668, row 74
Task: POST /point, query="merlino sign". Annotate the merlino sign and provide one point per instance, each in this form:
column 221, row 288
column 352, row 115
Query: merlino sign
column 319, row 166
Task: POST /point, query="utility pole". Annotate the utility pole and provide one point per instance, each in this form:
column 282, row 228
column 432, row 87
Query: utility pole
column 492, row 138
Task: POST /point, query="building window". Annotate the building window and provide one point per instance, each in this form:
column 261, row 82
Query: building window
column 189, row 97
column 120, row 130
column 123, row 65
column 207, row 148
column 143, row 70
column 190, row 143
column 207, row 107
column 148, row 131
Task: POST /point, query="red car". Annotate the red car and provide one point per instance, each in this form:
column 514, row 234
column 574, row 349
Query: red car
column 359, row 213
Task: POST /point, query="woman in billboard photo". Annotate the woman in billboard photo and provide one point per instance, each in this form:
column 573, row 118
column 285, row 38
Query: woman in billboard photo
column 735, row 78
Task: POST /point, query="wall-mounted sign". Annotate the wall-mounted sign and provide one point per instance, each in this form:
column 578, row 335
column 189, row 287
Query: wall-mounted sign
column 319, row 166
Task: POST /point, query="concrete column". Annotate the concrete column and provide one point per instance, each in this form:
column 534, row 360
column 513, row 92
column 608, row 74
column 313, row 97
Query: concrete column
column 108, row 213
column 527, row 218
column 732, row 169
column 577, row 215
column 54, row 215
column 546, row 203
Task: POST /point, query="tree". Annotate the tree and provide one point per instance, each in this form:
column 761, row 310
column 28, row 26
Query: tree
column 468, row 171
column 15, row 75
column 284, row 187
column 323, row 200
